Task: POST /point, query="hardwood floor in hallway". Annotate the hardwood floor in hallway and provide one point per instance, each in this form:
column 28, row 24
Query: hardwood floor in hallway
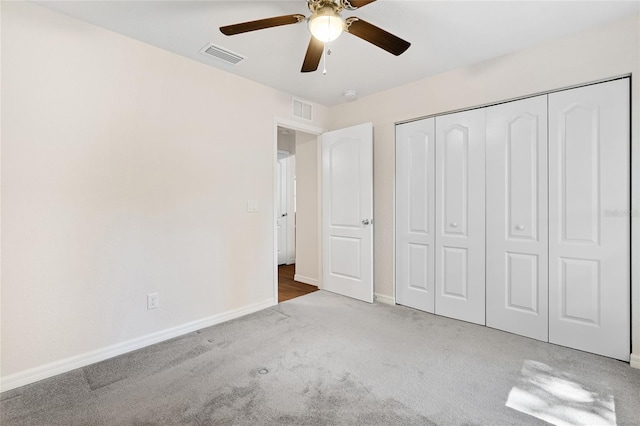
column 287, row 287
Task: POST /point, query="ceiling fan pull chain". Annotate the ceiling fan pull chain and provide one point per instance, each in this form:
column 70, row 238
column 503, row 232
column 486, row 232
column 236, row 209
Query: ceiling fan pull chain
column 324, row 60
column 327, row 48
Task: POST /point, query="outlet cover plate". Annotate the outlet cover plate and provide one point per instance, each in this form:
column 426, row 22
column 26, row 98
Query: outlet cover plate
column 152, row 301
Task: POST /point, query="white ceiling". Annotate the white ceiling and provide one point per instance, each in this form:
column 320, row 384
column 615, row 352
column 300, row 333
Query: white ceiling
column 444, row 35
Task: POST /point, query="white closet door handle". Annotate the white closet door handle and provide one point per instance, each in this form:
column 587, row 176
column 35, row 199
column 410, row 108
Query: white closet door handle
column 454, row 224
column 520, row 227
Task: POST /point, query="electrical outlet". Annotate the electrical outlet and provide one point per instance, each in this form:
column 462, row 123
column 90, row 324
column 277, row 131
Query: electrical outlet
column 152, row 301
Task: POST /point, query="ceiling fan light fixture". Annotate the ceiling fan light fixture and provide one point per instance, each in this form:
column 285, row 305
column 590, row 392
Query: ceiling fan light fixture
column 326, row 25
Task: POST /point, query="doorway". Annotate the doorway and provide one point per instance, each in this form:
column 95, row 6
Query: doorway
column 285, row 203
column 296, row 212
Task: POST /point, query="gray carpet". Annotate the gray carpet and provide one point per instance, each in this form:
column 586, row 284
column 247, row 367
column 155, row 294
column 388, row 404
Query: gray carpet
column 322, row 359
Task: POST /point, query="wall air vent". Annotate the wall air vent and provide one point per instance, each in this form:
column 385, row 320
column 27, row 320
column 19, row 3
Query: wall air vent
column 302, row 109
column 221, row 54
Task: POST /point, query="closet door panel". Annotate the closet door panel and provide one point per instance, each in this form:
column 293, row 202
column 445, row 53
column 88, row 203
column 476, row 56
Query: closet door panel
column 517, row 246
column 415, row 203
column 589, row 257
column 460, row 218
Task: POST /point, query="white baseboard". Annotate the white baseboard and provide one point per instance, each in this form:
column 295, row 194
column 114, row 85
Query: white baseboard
column 383, row 298
column 635, row 360
column 306, row 280
column 58, row 367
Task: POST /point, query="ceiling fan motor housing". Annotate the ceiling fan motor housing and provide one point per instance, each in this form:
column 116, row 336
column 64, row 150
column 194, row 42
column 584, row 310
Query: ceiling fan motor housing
column 334, row 5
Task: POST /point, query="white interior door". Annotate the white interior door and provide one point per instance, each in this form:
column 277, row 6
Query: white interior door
column 589, row 224
column 347, row 211
column 460, row 216
column 283, row 206
column 415, row 214
column 517, row 233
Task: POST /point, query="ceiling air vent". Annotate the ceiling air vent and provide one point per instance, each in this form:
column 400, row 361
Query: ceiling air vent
column 302, row 109
column 221, row 54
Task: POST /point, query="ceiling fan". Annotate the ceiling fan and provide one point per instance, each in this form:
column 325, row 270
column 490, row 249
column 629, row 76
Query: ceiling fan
column 325, row 25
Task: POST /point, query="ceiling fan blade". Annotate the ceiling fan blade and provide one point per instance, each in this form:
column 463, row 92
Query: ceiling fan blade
column 313, row 55
column 354, row 4
column 374, row 35
column 261, row 24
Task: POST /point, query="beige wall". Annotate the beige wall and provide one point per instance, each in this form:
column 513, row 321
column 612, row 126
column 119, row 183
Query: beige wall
column 600, row 53
column 126, row 170
column 307, row 208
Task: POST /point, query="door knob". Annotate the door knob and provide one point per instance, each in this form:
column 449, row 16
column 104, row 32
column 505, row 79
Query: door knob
column 365, row 222
column 283, row 215
column 454, row 224
column 520, row 227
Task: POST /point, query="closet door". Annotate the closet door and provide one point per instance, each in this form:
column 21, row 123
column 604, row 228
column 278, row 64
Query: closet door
column 460, row 216
column 415, row 208
column 589, row 224
column 517, row 243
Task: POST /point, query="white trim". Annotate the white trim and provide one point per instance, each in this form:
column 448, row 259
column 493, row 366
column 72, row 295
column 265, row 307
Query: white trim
column 58, row 367
column 291, row 207
column 393, row 215
column 319, row 210
column 306, row 280
column 383, row 298
column 635, row 360
column 296, row 125
column 274, row 211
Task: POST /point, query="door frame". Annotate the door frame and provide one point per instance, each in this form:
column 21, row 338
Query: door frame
column 314, row 130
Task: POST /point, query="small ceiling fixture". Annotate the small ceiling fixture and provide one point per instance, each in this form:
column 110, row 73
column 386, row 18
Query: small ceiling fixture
column 350, row 95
